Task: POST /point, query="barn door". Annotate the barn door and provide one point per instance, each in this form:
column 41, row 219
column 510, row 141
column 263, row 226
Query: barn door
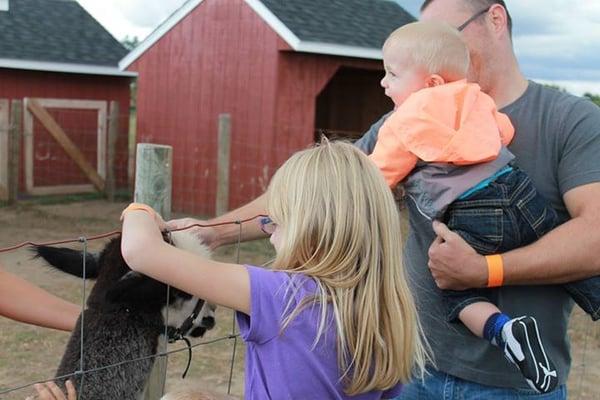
column 65, row 145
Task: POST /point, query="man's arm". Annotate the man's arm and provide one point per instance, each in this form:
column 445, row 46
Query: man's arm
column 227, row 234
column 215, row 236
column 22, row 301
column 567, row 253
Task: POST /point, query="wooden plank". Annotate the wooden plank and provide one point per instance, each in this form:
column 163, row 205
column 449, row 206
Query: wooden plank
column 131, row 140
column 70, row 148
column 14, row 145
column 28, row 144
column 72, row 103
column 62, row 189
column 4, row 130
column 113, row 133
column 101, row 141
column 223, row 155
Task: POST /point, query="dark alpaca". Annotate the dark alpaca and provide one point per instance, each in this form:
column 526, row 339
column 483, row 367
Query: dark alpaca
column 123, row 320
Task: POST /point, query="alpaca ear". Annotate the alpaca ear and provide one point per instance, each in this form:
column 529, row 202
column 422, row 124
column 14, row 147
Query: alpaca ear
column 134, row 287
column 68, row 260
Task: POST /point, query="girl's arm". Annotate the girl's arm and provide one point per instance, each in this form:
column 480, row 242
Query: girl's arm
column 22, row 301
column 145, row 251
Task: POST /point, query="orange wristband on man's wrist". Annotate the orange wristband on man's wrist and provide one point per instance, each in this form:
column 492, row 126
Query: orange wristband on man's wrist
column 495, row 270
column 139, row 206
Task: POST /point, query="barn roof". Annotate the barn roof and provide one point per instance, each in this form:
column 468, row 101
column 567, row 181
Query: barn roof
column 351, row 28
column 56, row 35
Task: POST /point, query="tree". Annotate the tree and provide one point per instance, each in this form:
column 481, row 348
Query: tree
column 130, row 43
column 553, row 86
column 595, row 98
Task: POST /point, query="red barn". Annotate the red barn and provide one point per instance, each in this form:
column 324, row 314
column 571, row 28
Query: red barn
column 284, row 70
column 53, row 53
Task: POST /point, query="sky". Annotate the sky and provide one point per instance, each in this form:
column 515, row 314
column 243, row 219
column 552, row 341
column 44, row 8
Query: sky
column 556, row 41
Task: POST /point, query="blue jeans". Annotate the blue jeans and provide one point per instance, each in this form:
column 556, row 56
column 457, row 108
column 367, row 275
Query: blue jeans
column 440, row 386
column 506, row 214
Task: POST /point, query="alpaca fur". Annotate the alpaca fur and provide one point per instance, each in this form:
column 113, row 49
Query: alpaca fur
column 123, row 320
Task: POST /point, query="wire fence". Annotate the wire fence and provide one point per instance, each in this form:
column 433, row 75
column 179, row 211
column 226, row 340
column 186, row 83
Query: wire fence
column 82, row 371
column 582, row 384
column 45, row 164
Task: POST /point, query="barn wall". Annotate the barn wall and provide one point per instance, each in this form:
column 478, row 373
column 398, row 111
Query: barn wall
column 302, row 78
column 17, row 84
column 221, row 58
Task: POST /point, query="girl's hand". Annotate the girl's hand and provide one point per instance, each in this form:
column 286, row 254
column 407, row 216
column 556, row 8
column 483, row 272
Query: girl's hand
column 162, row 225
column 50, row 391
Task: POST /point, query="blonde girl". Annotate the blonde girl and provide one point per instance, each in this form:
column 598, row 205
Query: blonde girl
column 334, row 317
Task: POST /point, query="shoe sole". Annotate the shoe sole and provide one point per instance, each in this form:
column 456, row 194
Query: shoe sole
column 538, row 369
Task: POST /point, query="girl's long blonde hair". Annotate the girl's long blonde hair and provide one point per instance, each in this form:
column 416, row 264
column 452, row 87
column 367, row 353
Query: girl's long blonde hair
column 340, row 225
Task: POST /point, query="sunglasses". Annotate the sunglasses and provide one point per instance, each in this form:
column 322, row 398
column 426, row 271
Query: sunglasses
column 473, row 18
column 267, row 225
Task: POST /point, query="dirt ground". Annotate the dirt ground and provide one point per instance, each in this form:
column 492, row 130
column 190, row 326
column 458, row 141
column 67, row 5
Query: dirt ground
column 29, row 354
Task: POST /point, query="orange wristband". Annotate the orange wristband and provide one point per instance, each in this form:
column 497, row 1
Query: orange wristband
column 139, row 206
column 495, row 270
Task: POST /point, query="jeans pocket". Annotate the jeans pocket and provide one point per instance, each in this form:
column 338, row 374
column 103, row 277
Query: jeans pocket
column 540, row 217
column 482, row 228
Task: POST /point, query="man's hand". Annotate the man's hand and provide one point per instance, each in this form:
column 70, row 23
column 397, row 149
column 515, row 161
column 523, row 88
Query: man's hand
column 453, row 263
column 207, row 235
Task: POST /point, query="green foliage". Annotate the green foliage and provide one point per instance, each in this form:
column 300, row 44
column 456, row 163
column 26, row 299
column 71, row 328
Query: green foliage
column 130, row 43
column 552, row 86
column 595, row 98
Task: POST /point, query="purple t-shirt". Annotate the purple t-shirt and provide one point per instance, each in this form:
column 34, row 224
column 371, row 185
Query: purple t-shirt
column 284, row 365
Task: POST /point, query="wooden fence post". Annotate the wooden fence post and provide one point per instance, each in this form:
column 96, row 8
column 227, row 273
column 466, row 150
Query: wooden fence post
column 223, row 151
column 113, row 134
column 4, row 129
column 153, row 177
column 14, row 149
column 131, row 147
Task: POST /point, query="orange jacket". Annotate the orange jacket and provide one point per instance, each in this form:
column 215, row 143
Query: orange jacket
column 452, row 123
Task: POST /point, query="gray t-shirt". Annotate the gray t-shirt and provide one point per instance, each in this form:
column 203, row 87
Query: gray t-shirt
column 557, row 143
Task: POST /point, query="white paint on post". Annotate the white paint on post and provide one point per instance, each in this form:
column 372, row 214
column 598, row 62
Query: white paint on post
column 153, row 177
column 153, row 182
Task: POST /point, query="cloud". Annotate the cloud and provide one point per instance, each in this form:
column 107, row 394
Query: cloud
column 144, row 13
column 553, row 39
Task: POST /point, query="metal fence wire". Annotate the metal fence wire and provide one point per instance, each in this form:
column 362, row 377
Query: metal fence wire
column 82, row 371
column 584, row 371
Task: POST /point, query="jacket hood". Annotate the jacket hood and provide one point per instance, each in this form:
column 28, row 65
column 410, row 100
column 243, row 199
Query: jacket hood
column 455, row 122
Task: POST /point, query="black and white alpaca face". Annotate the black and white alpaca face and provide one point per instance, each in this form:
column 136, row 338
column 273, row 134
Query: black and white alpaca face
column 181, row 308
column 118, row 287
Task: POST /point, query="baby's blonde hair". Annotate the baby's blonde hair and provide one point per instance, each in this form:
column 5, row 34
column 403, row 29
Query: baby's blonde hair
column 435, row 46
column 341, row 226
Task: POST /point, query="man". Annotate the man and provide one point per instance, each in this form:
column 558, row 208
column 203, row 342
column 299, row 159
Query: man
column 557, row 141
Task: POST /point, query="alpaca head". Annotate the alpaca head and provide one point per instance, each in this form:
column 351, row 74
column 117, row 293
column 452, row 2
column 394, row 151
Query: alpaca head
column 119, row 288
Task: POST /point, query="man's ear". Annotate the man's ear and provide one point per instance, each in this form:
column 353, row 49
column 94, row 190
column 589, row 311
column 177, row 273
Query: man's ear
column 434, row 80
